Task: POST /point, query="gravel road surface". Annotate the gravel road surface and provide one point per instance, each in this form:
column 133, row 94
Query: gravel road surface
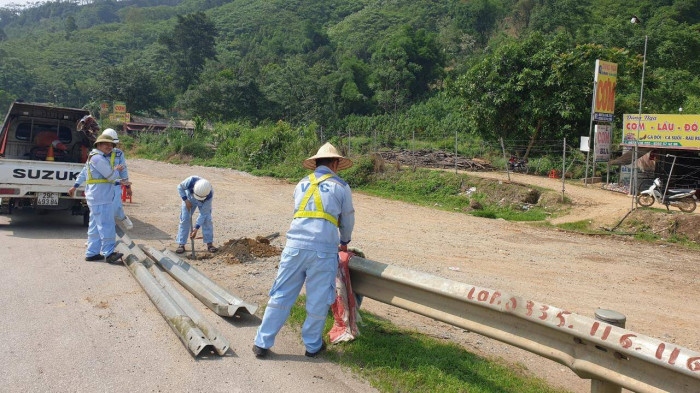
column 80, row 326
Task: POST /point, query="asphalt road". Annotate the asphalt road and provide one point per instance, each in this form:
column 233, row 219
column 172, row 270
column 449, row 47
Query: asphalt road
column 75, row 326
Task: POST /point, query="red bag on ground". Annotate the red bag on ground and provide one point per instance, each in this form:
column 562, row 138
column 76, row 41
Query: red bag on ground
column 344, row 308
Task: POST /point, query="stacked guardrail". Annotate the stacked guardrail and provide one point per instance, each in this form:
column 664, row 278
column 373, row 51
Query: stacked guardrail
column 198, row 335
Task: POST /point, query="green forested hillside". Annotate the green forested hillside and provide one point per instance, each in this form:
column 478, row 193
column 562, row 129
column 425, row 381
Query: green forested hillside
column 487, row 68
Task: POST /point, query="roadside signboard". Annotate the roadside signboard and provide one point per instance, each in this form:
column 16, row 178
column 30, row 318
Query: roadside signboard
column 119, row 107
column 601, row 143
column 120, row 117
column 606, row 82
column 661, row 131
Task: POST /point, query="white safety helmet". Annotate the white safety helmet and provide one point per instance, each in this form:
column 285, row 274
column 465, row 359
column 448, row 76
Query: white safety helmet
column 202, row 188
column 112, row 133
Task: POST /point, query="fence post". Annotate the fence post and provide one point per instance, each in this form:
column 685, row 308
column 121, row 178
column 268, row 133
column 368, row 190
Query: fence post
column 616, row 319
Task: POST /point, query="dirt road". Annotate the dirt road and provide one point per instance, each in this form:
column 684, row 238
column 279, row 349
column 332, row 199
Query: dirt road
column 653, row 285
column 602, row 207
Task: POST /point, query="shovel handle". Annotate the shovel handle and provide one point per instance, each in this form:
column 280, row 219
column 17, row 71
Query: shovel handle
column 192, row 239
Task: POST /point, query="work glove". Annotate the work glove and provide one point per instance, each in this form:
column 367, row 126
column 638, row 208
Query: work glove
column 193, row 233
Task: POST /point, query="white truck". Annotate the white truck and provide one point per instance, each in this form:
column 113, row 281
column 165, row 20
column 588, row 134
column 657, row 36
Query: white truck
column 41, row 155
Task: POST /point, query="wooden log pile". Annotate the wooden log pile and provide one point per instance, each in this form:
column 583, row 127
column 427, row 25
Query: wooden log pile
column 434, row 159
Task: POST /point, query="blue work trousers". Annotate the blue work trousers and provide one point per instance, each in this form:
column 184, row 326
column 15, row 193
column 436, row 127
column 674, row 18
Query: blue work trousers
column 318, row 270
column 183, row 232
column 117, row 202
column 101, row 230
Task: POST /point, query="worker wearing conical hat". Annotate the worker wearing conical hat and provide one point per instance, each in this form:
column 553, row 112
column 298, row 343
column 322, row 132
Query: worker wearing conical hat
column 323, row 222
column 99, row 193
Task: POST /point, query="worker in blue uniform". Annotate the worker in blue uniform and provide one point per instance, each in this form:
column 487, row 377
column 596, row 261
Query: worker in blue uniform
column 117, row 157
column 99, row 193
column 120, row 158
column 196, row 193
column 323, row 222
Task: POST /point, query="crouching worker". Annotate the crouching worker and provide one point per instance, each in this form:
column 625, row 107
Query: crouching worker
column 323, row 222
column 99, row 193
column 195, row 192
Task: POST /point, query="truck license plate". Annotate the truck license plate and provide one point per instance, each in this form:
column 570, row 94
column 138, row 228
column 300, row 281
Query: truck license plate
column 47, row 198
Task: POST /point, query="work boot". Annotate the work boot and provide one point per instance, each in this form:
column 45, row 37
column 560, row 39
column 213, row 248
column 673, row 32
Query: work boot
column 260, row 352
column 313, row 354
column 126, row 222
column 211, row 248
column 114, row 257
column 92, row 258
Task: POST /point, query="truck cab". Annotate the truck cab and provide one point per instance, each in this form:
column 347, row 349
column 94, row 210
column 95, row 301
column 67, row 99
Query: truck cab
column 41, row 154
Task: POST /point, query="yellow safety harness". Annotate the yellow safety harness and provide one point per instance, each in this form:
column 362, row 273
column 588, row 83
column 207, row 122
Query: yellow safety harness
column 90, row 180
column 313, row 191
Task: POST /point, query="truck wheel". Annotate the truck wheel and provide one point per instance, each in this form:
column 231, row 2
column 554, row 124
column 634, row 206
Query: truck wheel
column 86, row 218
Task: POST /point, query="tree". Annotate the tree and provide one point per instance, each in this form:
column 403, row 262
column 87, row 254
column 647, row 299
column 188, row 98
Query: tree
column 188, row 46
column 553, row 15
column 403, row 67
column 134, row 84
column 539, row 87
column 224, row 96
column 353, row 92
column 16, row 79
column 476, row 17
column 71, row 26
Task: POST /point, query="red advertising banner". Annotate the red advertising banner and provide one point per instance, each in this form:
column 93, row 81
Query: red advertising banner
column 606, row 82
column 119, row 107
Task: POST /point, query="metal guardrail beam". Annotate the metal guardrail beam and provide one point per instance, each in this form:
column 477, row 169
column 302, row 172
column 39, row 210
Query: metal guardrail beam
column 220, row 343
column 592, row 349
column 180, row 315
column 207, row 291
column 187, row 331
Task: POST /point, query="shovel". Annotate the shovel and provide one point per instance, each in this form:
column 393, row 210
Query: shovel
column 191, row 238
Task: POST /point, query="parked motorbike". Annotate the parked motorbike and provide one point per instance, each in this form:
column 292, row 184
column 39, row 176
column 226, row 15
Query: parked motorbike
column 517, row 165
column 684, row 199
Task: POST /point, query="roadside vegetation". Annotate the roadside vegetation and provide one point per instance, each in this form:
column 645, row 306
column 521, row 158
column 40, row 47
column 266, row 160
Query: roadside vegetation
column 277, row 150
column 445, row 72
column 398, row 360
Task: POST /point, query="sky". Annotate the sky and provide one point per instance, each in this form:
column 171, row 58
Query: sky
column 5, row 3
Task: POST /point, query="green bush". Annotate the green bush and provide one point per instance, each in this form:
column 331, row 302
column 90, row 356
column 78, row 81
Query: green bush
column 198, row 149
column 361, row 173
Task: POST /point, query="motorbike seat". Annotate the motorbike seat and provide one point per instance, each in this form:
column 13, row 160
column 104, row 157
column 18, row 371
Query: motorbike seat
column 680, row 190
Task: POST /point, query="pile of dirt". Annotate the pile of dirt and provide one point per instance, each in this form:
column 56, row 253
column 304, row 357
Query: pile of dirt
column 246, row 249
column 501, row 193
column 665, row 225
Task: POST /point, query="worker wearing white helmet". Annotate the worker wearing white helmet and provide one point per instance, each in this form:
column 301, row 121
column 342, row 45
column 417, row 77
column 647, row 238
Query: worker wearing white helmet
column 196, row 193
column 117, row 157
column 120, row 158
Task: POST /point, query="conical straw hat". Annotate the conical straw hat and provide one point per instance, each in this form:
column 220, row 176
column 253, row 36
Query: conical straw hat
column 327, row 151
column 104, row 138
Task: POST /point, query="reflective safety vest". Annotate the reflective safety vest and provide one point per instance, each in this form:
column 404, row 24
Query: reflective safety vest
column 90, row 180
column 313, row 191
